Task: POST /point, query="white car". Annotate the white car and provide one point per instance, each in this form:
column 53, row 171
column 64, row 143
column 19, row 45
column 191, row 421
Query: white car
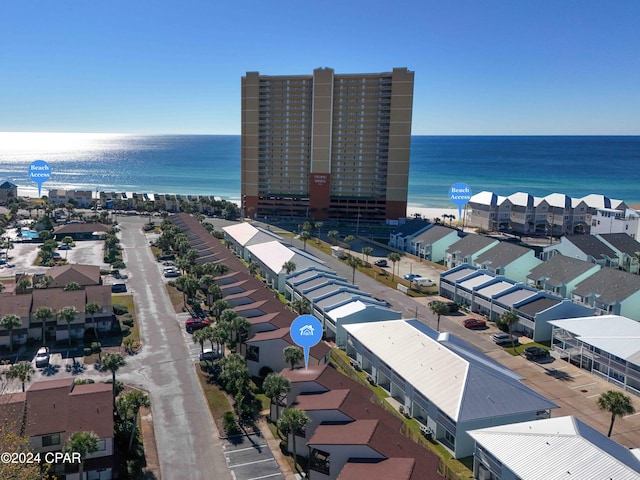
column 42, row 357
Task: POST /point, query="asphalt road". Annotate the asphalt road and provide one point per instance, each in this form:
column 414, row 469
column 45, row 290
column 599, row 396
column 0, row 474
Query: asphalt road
column 187, row 440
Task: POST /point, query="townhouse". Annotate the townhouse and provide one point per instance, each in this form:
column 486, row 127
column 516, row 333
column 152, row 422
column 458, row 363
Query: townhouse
column 401, row 237
column 610, row 292
column 627, row 250
column 607, row 346
column 556, row 448
column 50, row 411
column 433, row 243
column 467, row 249
column 446, row 385
column 512, row 261
column 583, row 247
column 241, row 235
column 559, row 275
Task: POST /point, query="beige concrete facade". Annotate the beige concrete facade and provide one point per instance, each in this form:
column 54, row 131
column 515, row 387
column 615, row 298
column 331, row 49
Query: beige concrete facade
column 326, row 145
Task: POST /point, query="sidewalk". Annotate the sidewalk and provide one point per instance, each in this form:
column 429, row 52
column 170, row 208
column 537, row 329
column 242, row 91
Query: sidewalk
column 274, row 446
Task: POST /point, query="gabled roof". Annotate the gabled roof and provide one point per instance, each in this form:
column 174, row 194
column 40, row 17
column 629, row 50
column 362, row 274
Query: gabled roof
column 71, row 228
column 622, row 242
column 615, row 334
column 596, row 200
column 591, row 245
column 410, row 227
column 501, row 255
column 435, row 233
column 57, row 298
column 81, row 274
column 244, row 232
column 396, row 468
column 330, row 400
column 6, row 185
column 19, row 305
column 557, row 448
column 609, row 286
column 560, row 270
column 275, row 254
column 484, row 198
column 521, row 199
column 558, row 200
column 471, row 244
column 461, row 381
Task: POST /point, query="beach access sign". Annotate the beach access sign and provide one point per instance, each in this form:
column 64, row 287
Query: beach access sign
column 39, row 172
column 460, row 194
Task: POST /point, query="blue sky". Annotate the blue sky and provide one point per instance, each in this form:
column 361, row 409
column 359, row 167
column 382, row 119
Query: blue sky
column 512, row 67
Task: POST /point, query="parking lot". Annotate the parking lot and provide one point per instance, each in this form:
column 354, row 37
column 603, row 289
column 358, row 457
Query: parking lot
column 249, row 458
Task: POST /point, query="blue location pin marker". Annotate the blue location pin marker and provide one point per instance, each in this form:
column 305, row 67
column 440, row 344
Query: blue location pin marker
column 39, row 172
column 460, row 194
column 306, row 331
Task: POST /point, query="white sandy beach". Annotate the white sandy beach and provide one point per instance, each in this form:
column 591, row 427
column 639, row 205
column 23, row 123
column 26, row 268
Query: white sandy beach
column 433, row 213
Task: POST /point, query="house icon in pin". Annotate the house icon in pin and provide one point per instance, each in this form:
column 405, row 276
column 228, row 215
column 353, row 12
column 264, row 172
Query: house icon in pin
column 306, row 331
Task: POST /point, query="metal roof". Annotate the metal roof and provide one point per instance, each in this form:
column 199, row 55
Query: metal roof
column 461, row 381
column 494, row 289
column 558, row 448
column 476, row 281
column 617, row 335
column 454, row 274
column 516, row 296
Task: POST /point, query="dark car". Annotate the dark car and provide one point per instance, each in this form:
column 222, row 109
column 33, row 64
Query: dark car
column 194, row 324
column 118, row 288
column 533, row 353
column 380, row 263
column 474, row 323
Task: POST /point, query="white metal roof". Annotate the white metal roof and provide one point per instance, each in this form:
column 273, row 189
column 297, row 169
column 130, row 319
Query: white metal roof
column 558, row 448
column 614, row 334
column 476, row 281
column 461, row 381
column 454, row 275
column 241, row 232
column 484, row 198
column 515, row 297
column 494, row 289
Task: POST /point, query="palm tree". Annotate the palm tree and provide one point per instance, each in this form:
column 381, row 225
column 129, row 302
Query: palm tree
column 354, row 262
column 333, row 234
column 617, row 404
column 220, row 268
column 24, row 284
column 21, row 371
column 293, row 422
column 276, row 387
column 45, row 281
column 91, row 309
column 131, row 403
column 220, row 306
column 438, row 308
column 289, row 266
column 293, row 355
column 348, row 240
column 84, row 443
column 240, row 326
column 301, row 306
column 112, row 362
column 509, row 319
column 68, row 314
column 72, row 286
column 305, row 236
column 366, row 251
column 253, row 268
column 199, row 336
column 9, row 322
column 43, row 314
column 394, row 258
column 214, row 293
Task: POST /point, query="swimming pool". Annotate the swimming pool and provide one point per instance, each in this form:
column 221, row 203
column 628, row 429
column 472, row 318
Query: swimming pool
column 26, row 233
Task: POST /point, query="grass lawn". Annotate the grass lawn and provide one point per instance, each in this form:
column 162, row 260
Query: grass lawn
column 176, row 297
column 520, row 348
column 127, row 301
column 216, row 399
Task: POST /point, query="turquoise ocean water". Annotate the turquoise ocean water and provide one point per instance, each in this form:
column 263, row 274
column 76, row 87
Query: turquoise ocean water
column 210, row 164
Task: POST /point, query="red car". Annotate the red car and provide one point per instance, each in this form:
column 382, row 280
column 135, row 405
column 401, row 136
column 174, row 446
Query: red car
column 474, row 323
column 194, row 324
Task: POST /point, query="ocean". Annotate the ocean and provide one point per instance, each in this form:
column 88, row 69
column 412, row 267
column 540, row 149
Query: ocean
column 210, row 164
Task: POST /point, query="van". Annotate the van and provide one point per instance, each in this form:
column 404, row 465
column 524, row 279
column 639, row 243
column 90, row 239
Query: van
column 423, row 282
column 504, row 339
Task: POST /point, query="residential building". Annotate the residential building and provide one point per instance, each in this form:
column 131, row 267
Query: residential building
column 489, row 211
column 608, row 346
column 512, row 261
column 326, row 145
column 610, row 292
column 50, row 411
column 241, row 235
column 556, row 448
column 81, row 231
column 7, row 191
column 560, row 274
column 446, row 385
column 433, row 243
column 81, row 274
column 609, row 220
column 522, row 214
column 583, row 247
column 79, row 198
column 401, row 237
column 626, row 247
column 467, row 249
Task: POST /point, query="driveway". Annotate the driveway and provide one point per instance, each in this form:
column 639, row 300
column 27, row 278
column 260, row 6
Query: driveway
column 186, row 437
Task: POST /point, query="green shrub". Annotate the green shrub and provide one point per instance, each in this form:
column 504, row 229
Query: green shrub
column 264, row 371
column 87, row 351
column 96, row 347
column 128, row 322
column 119, row 309
column 230, row 424
column 125, row 330
column 118, row 264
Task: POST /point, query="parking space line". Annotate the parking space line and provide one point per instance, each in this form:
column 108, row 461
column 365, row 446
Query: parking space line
column 582, row 386
column 266, row 476
column 245, row 449
column 251, row 463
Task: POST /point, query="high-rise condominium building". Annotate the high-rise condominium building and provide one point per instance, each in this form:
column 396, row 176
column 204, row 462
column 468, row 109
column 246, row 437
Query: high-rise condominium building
column 326, row 145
